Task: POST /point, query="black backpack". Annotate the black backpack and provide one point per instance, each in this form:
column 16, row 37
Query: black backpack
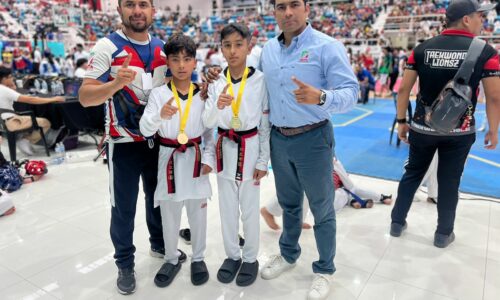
column 452, row 103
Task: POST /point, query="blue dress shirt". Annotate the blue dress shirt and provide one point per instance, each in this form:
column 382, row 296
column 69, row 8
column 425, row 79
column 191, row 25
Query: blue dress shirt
column 313, row 58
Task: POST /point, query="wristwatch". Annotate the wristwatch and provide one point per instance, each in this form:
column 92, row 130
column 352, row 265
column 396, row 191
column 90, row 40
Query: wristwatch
column 401, row 121
column 322, row 98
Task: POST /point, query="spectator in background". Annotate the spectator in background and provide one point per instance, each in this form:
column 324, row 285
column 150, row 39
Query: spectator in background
column 37, row 59
column 384, row 70
column 80, row 53
column 367, row 59
column 9, row 95
column 216, row 58
column 394, row 72
column 20, row 63
column 81, row 67
column 68, row 68
column 49, row 66
column 366, row 82
column 253, row 58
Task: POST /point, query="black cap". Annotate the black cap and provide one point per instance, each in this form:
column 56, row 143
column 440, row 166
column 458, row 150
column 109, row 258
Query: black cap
column 457, row 9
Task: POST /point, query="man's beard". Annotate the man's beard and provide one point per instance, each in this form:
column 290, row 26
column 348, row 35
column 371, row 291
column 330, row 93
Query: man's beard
column 137, row 29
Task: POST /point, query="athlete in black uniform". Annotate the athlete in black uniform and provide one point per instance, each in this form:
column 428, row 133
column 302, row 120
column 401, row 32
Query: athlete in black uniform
column 436, row 62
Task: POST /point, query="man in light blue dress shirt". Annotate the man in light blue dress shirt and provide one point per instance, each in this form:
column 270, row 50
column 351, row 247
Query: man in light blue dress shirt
column 308, row 77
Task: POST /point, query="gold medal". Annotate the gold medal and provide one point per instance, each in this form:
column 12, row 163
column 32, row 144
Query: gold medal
column 182, row 138
column 235, row 123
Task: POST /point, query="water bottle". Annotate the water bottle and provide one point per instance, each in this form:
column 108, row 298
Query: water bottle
column 45, row 87
column 60, row 154
column 37, row 86
column 60, row 88
column 53, row 88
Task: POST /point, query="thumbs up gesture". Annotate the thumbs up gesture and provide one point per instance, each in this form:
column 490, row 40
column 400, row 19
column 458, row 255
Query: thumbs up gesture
column 224, row 99
column 306, row 94
column 125, row 76
column 168, row 110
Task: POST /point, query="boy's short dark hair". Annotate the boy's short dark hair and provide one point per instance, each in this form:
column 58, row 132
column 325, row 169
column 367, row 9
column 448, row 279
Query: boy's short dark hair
column 5, row 72
column 178, row 43
column 273, row 2
column 235, row 28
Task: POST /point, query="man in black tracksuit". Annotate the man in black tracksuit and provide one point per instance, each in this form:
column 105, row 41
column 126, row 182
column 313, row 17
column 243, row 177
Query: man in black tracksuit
column 436, row 62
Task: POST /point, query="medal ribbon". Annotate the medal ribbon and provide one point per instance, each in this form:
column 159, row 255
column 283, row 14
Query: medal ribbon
column 183, row 117
column 236, row 105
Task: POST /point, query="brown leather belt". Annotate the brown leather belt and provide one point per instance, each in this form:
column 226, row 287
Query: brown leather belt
column 291, row 131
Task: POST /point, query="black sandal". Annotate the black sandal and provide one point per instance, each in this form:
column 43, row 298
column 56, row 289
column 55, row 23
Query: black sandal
column 166, row 274
column 248, row 273
column 199, row 273
column 228, row 270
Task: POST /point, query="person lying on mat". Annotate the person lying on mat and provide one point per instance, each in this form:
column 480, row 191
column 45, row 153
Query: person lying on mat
column 345, row 192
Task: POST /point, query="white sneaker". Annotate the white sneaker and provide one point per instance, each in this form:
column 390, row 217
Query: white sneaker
column 275, row 267
column 320, row 287
column 25, row 146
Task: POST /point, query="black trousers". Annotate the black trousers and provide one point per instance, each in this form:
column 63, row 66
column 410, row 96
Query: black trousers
column 452, row 152
column 128, row 162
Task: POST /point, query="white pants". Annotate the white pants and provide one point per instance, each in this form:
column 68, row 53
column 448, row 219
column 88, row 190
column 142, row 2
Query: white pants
column 171, row 212
column 341, row 200
column 233, row 197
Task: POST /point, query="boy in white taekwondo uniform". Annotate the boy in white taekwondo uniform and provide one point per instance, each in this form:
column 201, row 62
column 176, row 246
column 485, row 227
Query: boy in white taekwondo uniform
column 238, row 105
column 175, row 111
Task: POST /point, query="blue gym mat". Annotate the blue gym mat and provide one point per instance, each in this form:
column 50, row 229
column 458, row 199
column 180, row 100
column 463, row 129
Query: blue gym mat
column 362, row 144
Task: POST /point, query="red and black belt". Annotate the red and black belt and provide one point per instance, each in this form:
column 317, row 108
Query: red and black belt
column 181, row 148
column 239, row 138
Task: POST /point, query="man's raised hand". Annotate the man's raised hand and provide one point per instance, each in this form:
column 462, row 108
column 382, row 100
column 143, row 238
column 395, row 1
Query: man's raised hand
column 125, row 76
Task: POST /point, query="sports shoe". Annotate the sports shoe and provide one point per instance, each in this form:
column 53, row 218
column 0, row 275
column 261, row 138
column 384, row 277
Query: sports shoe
column 275, row 267
column 160, row 253
column 185, row 235
column 25, row 146
column 320, row 287
column 443, row 240
column 126, row 281
column 397, row 229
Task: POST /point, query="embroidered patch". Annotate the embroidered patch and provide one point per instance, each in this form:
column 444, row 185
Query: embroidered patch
column 304, row 56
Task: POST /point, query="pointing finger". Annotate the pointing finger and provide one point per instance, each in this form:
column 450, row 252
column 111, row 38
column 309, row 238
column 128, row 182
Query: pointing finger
column 299, row 83
column 224, row 91
column 127, row 61
column 170, row 101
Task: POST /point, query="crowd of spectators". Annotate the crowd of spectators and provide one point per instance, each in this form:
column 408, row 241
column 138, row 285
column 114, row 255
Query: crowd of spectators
column 426, row 18
column 351, row 22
